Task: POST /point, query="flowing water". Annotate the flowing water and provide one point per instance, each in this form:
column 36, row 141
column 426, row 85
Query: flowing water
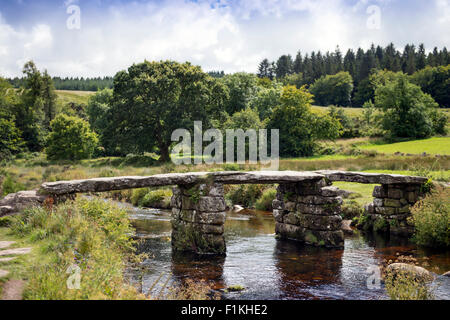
column 274, row 269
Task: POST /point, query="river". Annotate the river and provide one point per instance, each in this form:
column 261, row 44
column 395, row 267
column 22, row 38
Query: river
column 275, row 269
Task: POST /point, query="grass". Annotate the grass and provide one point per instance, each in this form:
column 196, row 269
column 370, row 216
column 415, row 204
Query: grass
column 437, row 145
column 78, row 97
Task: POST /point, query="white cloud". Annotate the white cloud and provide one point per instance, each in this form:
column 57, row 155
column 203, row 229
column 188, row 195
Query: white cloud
column 230, row 35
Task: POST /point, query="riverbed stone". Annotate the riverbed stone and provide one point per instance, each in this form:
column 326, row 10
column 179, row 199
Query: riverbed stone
column 412, row 270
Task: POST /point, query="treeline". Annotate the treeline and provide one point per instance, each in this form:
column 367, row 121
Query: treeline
column 78, row 84
column 150, row 100
column 360, row 64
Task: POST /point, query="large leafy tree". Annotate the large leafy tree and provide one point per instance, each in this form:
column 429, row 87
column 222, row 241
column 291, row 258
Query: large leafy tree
column 152, row 99
column 242, row 88
column 436, row 82
column 300, row 128
column 333, row 89
column 407, row 111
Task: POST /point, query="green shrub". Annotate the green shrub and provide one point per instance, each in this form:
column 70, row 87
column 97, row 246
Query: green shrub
column 156, row 199
column 245, row 194
column 402, row 285
column 431, row 218
column 264, row 203
column 351, row 209
column 70, row 139
column 9, row 185
column 137, row 195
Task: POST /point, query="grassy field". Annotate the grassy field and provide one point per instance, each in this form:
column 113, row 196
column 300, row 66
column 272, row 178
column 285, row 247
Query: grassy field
column 438, row 145
column 78, row 97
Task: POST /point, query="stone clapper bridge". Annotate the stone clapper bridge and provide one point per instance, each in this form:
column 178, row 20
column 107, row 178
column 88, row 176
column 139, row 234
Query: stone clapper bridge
column 307, row 207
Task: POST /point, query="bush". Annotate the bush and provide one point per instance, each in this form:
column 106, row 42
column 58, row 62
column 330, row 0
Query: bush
column 71, row 139
column 351, row 209
column 137, row 195
column 157, row 199
column 402, row 285
column 9, row 185
column 264, row 203
column 431, row 218
column 245, row 195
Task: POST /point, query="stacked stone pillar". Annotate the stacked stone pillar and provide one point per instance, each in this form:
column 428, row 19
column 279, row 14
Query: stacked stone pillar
column 198, row 218
column 390, row 209
column 309, row 212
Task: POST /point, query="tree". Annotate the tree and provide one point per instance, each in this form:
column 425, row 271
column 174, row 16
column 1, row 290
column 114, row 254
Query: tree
column 70, row 139
column 407, row 111
column 267, row 99
column 333, row 89
column 98, row 112
column 284, row 66
column 436, row 82
column 299, row 127
column 152, row 99
column 242, row 88
column 49, row 99
column 265, row 70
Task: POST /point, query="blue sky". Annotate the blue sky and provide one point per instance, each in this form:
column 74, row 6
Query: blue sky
column 230, row 35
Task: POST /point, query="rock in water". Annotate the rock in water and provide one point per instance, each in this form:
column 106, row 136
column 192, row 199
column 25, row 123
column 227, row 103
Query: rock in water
column 415, row 271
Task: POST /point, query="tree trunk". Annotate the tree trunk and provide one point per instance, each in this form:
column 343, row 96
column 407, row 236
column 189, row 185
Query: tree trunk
column 164, row 153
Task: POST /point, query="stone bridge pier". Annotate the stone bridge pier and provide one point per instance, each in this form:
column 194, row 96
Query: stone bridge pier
column 198, row 218
column 309, row 212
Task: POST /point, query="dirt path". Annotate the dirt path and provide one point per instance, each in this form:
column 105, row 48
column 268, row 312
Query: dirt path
column 12, row 289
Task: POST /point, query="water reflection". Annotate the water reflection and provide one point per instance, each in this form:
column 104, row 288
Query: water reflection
column 270, row 268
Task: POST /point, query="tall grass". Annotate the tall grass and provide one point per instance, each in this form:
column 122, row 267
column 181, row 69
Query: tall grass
column 89, row 234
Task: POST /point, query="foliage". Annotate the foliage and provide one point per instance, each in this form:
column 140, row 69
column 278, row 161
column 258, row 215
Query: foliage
column 91, row 235
column 431, row 218
column 157, row 199
column 266, row 99
column 245, row 195
column 299, row 127
column 242, row 88
column 152, row 99
column 406, row 109
column 436, row 82
column 9, row 185
column 97, row 111
column 403, row 285
column 264, row 203
column 333, row 89
column 71, row 138
column 360, row 64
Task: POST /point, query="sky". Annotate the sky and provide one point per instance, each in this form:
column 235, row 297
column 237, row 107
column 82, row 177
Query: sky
column 93, row 38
